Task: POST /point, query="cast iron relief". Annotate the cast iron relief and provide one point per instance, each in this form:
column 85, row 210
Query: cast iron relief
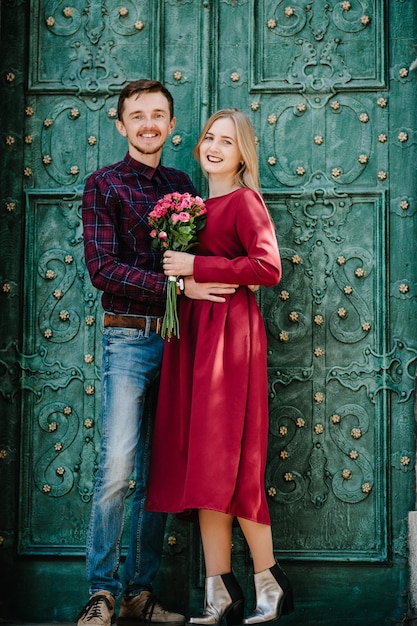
column 66, row 308
column 70, row 112
column 88, row 30
column 321, row 118
column 64, row 311
column 62, row 374
column 85, row 36
column 340, row 473
column 323, row 141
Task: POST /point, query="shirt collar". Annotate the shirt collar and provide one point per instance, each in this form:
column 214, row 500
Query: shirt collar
column 145, row 170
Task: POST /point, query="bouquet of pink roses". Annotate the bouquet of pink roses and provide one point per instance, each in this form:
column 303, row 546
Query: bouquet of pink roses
column 175, row 221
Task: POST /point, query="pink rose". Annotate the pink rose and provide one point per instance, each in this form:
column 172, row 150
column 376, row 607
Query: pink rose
column 184, row 217
column 186, row 201
column 162, row 235
column 158, row 211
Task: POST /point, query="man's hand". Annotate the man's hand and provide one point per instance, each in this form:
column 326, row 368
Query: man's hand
column 207, row 291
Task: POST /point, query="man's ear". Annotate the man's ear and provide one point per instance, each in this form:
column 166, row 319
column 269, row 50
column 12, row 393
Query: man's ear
column 120, row 127
column 172, row 123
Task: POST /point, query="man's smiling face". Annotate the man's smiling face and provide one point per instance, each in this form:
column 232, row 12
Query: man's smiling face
column 146, row 123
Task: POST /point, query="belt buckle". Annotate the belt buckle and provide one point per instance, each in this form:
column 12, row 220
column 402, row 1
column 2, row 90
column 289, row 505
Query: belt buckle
column 158, row 326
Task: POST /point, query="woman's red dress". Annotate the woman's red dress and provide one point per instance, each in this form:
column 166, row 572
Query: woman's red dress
column 211, row 428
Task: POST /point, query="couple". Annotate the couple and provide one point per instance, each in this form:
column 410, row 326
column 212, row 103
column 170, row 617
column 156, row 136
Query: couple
column 209, row 444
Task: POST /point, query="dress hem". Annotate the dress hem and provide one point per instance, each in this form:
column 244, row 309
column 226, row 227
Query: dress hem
column 191, row 513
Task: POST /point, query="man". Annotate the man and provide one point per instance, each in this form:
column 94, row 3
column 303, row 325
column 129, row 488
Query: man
column 122, row 264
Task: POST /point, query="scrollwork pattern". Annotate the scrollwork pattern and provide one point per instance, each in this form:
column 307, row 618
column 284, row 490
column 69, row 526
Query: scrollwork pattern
column 58, row 22
column 310, row 164
column 376, row 372
column 90, row 69
column 318, row 16
column 52, row 475
column 348, row 485
column 62, row 277
column 352, row 21
column 277, row 315
column 93, row 30
column 344, row 276
column 63, row 155
column 286, row 484
column 313, row 57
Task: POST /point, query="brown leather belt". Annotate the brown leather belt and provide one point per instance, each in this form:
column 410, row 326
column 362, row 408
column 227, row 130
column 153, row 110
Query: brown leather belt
column 132, row 321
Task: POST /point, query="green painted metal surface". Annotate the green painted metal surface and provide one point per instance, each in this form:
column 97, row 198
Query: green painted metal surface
column 333, row 103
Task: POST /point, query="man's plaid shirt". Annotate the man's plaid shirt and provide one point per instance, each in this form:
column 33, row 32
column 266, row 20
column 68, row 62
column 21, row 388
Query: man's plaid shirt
column 121, row 262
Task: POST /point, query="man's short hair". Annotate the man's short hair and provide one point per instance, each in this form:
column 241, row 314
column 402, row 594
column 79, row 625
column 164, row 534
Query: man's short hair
column 144, row 85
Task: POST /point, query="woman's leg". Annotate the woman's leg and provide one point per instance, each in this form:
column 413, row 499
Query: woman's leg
column 223, row 595
column 273, row 589
column 259, row 539
column 216, row 535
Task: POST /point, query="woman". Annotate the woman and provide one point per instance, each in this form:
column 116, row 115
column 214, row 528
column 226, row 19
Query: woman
column 211, row 429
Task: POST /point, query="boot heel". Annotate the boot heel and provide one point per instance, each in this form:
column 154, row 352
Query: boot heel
column 234, row 616
column 274, row 597
column 288, row 603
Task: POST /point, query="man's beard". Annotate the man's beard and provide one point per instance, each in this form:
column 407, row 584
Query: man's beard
column 148, row 151
column 144, row 150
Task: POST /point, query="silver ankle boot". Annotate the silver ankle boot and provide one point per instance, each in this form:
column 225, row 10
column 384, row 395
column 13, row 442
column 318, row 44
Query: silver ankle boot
column 273, row 596
column 223, row 598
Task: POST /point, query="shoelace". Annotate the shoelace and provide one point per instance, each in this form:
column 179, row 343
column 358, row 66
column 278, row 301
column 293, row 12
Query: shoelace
column 150, row 605
column 93, row 609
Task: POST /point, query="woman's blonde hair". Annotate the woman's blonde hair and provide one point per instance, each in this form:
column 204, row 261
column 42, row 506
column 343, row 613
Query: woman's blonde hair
column 248, row 172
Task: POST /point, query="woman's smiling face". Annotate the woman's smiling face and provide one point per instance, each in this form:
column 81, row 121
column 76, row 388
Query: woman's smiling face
column 219, row 152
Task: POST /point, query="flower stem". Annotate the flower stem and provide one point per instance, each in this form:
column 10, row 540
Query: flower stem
column 170, row 323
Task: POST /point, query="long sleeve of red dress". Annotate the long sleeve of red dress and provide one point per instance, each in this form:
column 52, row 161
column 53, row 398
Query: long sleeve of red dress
column 259, row 261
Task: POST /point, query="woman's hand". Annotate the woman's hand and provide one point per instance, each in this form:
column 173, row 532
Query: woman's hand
column 178, row 263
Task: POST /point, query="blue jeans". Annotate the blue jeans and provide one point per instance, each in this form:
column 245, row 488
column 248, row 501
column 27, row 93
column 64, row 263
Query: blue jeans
column 131, row 363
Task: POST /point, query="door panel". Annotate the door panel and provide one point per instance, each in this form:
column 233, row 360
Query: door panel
column 323, row 443
column 60, row 369
column 327, row 87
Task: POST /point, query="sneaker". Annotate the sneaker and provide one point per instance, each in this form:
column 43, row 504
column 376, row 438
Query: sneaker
column 145, row 609
column 99, row 610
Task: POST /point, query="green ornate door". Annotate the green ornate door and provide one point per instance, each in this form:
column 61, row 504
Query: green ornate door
column 328, row 88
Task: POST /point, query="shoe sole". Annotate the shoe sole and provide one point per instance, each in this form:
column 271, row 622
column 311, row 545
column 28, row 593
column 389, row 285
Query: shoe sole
column 132, row 621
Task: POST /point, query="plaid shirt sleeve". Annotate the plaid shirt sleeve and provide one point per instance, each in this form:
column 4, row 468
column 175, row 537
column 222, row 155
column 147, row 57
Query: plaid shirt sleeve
column 103, row 253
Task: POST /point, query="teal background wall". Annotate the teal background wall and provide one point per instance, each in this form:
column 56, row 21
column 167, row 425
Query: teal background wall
column 328, row 88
